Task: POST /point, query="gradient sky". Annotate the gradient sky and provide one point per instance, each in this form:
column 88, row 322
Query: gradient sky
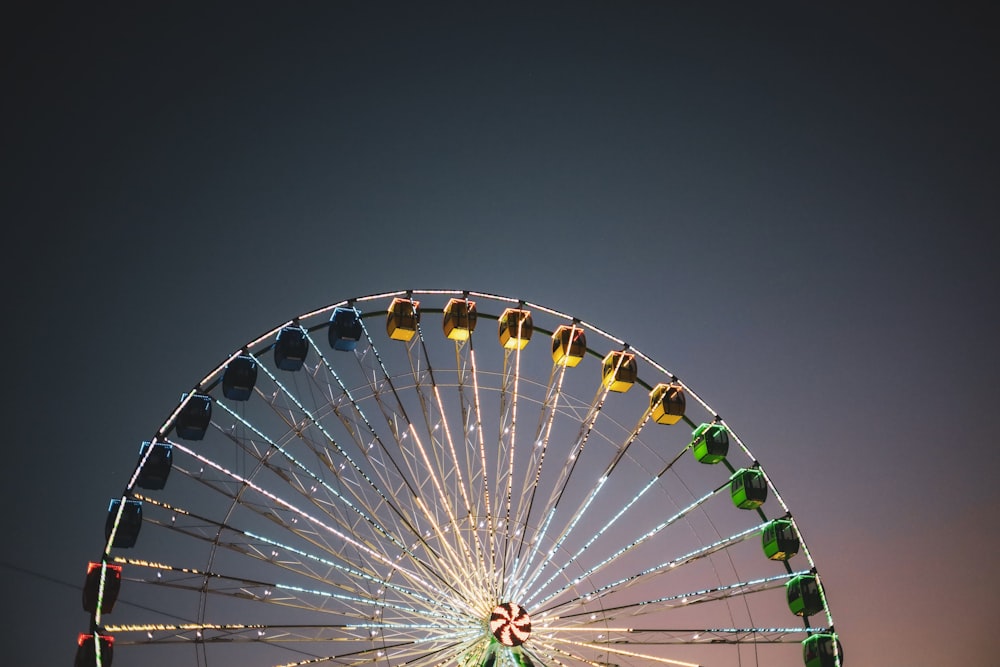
column 792, row 207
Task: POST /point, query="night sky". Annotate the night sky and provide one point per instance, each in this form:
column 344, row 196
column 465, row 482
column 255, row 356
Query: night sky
column 792, row 207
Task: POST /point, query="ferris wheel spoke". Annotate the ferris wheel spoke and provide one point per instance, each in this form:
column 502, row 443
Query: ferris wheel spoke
column 693, row 597
column 543, row 432
column 600, row 565
column 621, row 511
column 463, row 484
column 463, row 563
column 352, row 575
column 483, row 460
column 586, row 428
column 506, row 438
column 389, row 497
column 318, row 524
column 411, row 652
column 546, row 421
column 288, row 520
column 647, row 574
column 282, row 595
column 400, row 434
column 587, row 652
column 313, row 482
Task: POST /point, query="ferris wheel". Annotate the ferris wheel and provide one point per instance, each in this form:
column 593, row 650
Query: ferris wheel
column 435, row 477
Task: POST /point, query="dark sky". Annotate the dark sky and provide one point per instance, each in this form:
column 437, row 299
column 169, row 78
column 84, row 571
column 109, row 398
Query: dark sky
column 791, row 206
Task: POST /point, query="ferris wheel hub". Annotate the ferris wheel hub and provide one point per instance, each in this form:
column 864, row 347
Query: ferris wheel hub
column 510, row 624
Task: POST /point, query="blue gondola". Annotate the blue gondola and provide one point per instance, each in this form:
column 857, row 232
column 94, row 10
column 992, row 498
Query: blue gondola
column 128, row 527
column 194, row 418
column 240, row 377
column 291, row 348
column 154, row 472
column 345, row 329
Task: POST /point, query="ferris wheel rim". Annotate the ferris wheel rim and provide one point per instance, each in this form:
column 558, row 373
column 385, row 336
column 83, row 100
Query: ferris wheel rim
column 259, row 346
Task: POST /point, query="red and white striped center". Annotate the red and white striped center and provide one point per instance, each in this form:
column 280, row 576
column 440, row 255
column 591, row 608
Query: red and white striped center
column 510, row 624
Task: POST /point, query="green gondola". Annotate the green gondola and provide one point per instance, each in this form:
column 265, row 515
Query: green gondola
column 804, row 597
column 779, row 539
column 818, row 650
column 710, row 443
column 748, row 488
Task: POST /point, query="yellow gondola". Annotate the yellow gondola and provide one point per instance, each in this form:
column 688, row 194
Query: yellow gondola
column 459, row 319
column 401, row 320
column 515, row 328
column 569, row 344
column 667, row 403
column 620, row 371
